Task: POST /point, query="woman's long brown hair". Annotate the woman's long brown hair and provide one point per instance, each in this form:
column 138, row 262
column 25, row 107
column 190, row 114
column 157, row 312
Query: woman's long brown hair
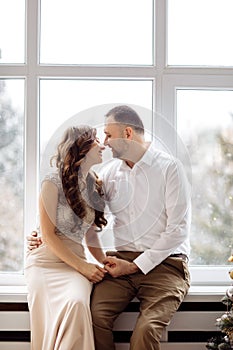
column 77, row 141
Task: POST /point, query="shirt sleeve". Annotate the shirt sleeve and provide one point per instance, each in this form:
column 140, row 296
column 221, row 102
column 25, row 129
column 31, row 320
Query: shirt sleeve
column 177, row 199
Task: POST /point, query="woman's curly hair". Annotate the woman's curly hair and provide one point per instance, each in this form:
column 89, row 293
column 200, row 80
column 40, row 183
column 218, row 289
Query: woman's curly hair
column 77, row 141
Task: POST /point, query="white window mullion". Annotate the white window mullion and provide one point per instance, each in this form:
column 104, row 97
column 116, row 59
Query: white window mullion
column 160, row 49
column 31, row 125
column 160, row 62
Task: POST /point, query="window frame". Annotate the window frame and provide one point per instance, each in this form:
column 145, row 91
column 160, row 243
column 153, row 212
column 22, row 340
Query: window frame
column 167, row 79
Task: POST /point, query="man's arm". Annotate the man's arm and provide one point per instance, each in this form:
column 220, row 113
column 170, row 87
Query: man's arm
column 33, row 241
column 177, row 202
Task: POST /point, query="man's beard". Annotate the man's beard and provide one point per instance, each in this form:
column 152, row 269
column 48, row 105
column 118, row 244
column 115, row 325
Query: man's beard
column 121, row 151
column 116, row 153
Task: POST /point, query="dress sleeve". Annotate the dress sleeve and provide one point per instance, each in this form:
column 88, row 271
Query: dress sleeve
column 54, row 178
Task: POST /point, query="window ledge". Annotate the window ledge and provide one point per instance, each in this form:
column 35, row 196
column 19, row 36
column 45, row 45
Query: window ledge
column 13, row 294
column 196, row 293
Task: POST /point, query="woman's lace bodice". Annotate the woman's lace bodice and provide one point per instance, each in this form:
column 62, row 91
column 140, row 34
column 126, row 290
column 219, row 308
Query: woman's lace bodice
column 67, row 223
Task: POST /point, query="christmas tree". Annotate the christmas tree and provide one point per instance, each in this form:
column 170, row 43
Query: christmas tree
column 225, row 322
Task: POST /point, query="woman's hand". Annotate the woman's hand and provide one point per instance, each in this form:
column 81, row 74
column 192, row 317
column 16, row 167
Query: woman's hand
column 93, row 272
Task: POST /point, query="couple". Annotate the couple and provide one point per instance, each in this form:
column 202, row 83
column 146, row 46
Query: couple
column 148, row 195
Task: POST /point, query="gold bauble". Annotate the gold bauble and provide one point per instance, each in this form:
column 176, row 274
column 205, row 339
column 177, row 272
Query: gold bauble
column 231, row 274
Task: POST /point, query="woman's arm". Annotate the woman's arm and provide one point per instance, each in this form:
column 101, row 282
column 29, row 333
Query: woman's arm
column 93, row 244
column 48, row 207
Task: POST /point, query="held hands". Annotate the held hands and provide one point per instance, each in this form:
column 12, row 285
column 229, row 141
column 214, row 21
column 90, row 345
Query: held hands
column 94, row 273
column 114, row 266
column 33, row 241
column 118, row 267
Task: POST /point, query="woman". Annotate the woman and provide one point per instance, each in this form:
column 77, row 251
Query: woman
column 59, row 278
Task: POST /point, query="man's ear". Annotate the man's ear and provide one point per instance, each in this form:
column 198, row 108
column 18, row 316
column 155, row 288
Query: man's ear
column 129, row 132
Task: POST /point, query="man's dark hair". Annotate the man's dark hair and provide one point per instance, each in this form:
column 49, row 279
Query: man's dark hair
column 127, row 116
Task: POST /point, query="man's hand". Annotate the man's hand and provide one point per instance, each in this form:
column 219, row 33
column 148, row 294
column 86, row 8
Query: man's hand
column 33, row 241
column 119, row 267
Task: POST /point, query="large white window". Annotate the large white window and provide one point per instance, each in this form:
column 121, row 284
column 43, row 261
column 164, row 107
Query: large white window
column 61, row 59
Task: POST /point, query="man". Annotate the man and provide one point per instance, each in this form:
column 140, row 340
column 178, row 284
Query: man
column 149, row 197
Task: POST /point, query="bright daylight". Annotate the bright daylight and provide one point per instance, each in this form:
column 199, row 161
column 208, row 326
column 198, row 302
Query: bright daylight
column 133, row 223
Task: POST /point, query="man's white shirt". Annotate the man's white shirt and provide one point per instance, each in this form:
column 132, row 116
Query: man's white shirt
column 150, row 206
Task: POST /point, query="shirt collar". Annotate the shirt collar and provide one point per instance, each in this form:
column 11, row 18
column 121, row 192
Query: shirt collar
column 148, row 156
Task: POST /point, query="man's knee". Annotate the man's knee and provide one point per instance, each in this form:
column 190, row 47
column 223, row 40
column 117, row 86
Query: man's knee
column 146, row 333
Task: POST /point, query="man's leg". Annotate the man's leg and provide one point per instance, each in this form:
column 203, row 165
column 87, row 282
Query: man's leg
column 109, row 298
column 160, row 293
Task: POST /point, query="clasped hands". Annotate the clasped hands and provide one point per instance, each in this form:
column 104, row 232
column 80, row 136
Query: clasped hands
column 118, row 267
column 114, row 266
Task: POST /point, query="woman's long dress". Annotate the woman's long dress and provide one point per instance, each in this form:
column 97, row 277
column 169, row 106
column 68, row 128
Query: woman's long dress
column 59, row 296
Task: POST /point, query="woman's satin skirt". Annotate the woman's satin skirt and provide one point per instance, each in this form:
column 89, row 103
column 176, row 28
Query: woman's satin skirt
column 58, row 299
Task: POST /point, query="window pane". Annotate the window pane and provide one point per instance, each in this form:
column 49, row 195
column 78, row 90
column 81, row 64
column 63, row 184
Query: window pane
column 205, row 124
column 12, row 31
column 11, row 174
column 96, row 32
column 75, row 96
column 200, row 32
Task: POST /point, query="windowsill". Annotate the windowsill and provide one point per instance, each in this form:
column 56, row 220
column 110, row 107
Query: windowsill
column 196, row 293
column 13, row 294
column 13, row 286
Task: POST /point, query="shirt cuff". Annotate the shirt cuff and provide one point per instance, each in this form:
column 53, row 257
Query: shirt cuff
column 144, row 263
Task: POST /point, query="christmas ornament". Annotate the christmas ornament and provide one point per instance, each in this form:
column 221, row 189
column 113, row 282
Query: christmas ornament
column 229, row 293
column 231, row 274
